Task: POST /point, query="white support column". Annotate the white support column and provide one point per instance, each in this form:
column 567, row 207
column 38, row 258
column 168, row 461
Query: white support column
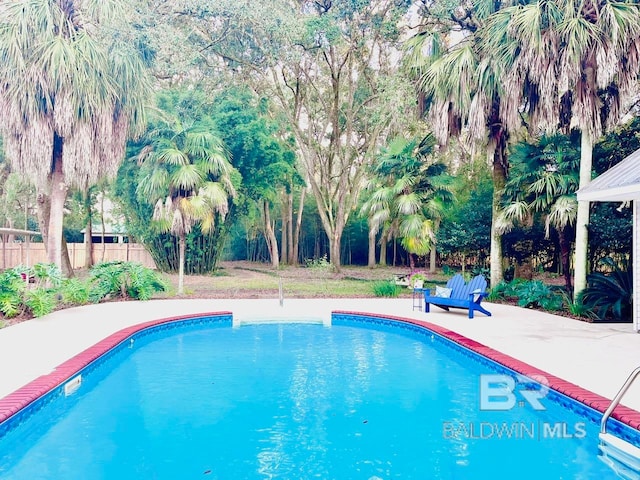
column 636, row 265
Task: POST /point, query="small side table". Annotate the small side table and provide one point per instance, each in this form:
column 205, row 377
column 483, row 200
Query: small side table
column 417, row 297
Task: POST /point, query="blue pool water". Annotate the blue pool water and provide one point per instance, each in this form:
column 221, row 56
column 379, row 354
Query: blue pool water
column 294, row 401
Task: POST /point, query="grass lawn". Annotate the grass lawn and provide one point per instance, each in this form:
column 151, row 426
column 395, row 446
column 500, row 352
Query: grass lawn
column 259, row 280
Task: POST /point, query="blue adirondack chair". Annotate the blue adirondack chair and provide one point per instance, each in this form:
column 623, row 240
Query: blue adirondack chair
column 459, row 294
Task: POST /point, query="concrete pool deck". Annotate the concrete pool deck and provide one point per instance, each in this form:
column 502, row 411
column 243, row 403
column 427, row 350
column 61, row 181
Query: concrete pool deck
column 597, row 357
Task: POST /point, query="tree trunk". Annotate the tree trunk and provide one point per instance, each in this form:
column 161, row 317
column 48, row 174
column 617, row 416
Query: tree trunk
column 334, row 250
column 432, row 259
column 88, row 236
column 371, row 263
column 66, row 267
column 11, row 238
column 582, row 221
column 432, row 252
column 296, row 236
column 270, row 236
column 182, row 241
column 500, row 164
column 284, row 256
column 382, row 257
column 565, row 253
column 43, row 202
column 499, row 180
column 56, row 216
column 497, row 275
column 290, row 259
column 102, row 225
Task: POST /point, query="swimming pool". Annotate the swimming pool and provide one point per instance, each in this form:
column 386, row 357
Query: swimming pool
column 365, row 398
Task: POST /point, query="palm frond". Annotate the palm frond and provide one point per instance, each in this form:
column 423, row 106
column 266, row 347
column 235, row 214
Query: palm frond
column 188, row 177
column 172, row 156
column 408, row 204
column 216, row 196
column 562, row 213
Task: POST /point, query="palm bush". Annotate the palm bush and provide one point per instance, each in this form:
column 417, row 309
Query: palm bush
column 610, row 294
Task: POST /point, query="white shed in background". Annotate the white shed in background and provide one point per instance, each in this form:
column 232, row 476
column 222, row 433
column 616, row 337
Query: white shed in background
column 622, row 184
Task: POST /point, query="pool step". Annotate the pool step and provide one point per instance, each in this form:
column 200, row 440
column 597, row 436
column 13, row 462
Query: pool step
column 622, row 457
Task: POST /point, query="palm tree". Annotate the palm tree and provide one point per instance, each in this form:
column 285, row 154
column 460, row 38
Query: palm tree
column 568, row 64
column 186, row 173
column 70, row 95
column 543, row 179
column 409, row 199
column 462, row 92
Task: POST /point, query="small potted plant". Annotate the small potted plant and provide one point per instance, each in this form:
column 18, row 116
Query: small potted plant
column 417, row 280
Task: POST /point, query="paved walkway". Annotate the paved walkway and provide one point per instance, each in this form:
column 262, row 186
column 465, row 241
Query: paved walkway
column 597, row 357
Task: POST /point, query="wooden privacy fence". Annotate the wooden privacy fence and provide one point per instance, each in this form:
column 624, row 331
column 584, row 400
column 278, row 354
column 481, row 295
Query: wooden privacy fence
column 15, row 253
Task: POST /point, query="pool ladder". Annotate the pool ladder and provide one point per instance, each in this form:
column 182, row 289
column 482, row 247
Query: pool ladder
column 620, row 455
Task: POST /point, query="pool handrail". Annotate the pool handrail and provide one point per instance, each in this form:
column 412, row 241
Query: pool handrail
column 617, row 399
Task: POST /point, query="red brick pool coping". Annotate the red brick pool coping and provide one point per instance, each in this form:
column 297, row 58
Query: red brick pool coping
column 599, row 403
column 24, row 396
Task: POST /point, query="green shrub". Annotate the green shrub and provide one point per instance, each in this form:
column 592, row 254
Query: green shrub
column 577, row 307
column 74, row 292
column 498, row 292
column 385, row 288
column 448, row 271
column 528, row 294
column 41, row 301
column 321, row 263
column 124, row 280
column 12, row 287
column 480, row 270
column 142, row 282
column 46, row 274
column 610, row 294
column 534, row 293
